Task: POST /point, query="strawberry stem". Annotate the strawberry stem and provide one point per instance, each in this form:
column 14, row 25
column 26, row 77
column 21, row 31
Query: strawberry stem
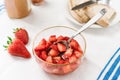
column 16, row 29
column 5, row 46
column 9, row 38
column 9, row 41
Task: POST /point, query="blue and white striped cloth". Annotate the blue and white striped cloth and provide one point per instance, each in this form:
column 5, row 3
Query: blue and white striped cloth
column 2, row 6
column 111, row 71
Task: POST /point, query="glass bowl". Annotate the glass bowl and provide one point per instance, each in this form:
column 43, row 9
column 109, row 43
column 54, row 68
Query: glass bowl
column 53, row 68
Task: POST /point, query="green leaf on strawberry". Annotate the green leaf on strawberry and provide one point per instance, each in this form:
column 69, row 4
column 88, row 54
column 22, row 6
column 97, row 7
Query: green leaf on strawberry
column 17, row 48
column 9, row 41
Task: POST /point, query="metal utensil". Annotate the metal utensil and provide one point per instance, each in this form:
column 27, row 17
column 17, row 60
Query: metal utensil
column 87, row 3
column 84, row 27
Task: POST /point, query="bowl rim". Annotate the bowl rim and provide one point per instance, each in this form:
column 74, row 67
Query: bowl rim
column 33, row 45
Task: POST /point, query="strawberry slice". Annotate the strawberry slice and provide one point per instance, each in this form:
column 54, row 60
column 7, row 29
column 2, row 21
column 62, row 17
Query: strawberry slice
column 56, row 59
column 61, row 62
column 47, row 44
column 44, row 55
column 49, row 59
column 54, row 46
column 67, row 54
column 74, row 44
column 80, row 50
column 59, row 38
column 66, row 69
column 21, row 34
column 17, row 48
column 61, row 47
column 66, row 38
column 53, row 52
column 41, row 45
column 52, row 38
column 78, row 54
column 72, row 59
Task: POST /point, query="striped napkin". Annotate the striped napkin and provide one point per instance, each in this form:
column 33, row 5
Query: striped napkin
column 111, row 71
column 2, row 6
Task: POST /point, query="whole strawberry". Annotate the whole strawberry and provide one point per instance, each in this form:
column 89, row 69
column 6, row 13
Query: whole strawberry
column 21, row 34
column 17, row 48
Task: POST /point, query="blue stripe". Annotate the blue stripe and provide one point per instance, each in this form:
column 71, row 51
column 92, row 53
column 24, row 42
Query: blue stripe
column 117, row 74
column 112, row 68
column 107, row 64
column 1, row 5
column 1, row 8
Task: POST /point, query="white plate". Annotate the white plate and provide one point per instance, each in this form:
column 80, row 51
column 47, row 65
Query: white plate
column 113, row 3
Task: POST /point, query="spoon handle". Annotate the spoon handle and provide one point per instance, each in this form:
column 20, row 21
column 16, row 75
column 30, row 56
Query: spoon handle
column 90, row 22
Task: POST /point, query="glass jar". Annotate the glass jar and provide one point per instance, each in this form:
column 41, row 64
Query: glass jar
column 18, row 8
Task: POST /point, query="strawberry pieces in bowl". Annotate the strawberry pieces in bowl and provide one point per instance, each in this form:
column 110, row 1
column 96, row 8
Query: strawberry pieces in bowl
column 54, row 57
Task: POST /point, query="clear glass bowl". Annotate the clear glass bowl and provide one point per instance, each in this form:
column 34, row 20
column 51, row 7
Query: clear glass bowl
column 59, row 68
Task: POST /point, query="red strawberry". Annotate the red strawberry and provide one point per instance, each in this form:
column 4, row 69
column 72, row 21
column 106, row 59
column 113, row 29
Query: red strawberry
column 66, row 69
column 17, row 48
column 72, row 59
column 56, row 59
column 52, row 38
column 22, row 34
column 41, row 45
column 80, row 50
column 61, row 62
column 44, row 55
column 68, row 53
column 61, row 47
column 53, row 46
column 59, row 38
column 49, row 59
column 53, row 52
column 47, row 44
column 78, row 54
column 74, row 44
column 66, row 38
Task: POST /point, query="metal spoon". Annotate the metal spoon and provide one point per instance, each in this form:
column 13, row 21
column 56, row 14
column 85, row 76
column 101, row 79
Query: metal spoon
column 84, row 27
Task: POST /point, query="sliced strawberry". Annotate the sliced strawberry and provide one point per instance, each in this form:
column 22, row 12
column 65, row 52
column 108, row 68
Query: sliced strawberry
column 17, row 48
column 61, row 47
column 66, row 38
column 21, row 34
column 72, row 59
column 38, row 53
column 49, row 59
column 52, row 38
column 56, row 71
column 67, row 69
column 44, row 55
column 78, row 54
column 79, row 49
column 66, row 61
column 53, row 52
column 47, row 45
column 41, row 45
column 74, row 44
column 60, row 62
column 68, row 53
column 59, row 38
column 54, row 46
column 56, row 59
